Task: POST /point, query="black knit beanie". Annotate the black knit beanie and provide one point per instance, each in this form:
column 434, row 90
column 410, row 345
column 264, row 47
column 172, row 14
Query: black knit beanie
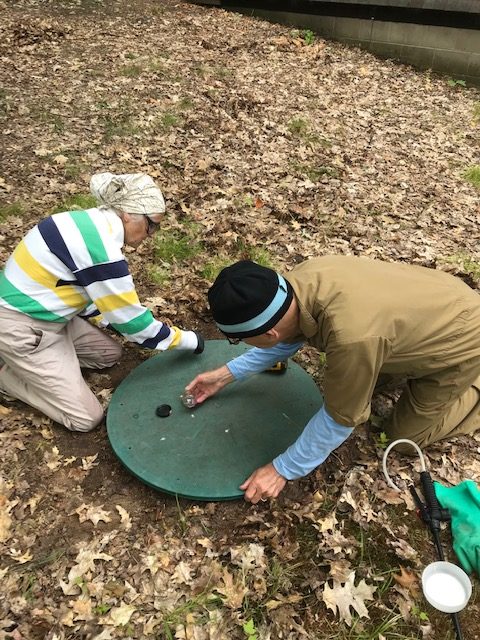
column 248, row 299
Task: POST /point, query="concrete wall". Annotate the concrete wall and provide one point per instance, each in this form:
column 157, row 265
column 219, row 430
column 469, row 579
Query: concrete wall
column 469, row 6
column 451, row 51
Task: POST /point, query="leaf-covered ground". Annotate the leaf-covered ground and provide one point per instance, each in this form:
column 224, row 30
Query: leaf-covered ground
column 270, row 146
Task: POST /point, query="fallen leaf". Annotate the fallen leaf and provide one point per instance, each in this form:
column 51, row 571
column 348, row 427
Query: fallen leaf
column 233, row 591
column 92, row 513
column 89, row 462
column 124, row 517
column 342, row 597
column 408, row 579
column 121, row 615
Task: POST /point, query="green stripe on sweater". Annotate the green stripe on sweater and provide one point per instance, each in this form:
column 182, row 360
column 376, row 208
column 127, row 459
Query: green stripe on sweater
column 90, row 236
column 24, row 303
column 136, row 325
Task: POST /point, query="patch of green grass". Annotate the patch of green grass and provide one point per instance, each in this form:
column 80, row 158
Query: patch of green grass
column 201, row 70
column 308, row 36
column 199, row 606
column 3, row 102
column 223, row 72
column 101, row 609
column 280, row 577
column 131, row 71
column 157, row 10
column 211, row 269
column 76, row 202
column 45, row 116
column 301, row 128
column 181, row 518
column 41, row 561
column 465, row 263
column 176, row 246
column 57, row 123
column 169, row 120
column 314, row 173
column 29, row 583
column 73, row 170
column 158, row 275
column 476, row 110
column 243, row 201
column 389, row 629
column 298, row 126
column 259, row 255
column 307, row 537
column 456, row 83
column 472, row 175
column 13, row 209
column 184, row 104
column 119, row 126
column 156, row 65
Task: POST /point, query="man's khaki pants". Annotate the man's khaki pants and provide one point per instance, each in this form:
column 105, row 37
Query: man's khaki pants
column 42, row 366
column 441, row 405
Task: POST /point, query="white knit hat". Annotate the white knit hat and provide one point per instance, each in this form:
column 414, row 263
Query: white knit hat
column 130, row 192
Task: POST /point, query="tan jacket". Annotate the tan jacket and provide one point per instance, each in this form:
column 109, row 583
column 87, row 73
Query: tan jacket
column 372, row 317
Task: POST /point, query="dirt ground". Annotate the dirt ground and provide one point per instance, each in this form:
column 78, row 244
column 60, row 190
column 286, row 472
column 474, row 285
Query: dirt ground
column 269, row 145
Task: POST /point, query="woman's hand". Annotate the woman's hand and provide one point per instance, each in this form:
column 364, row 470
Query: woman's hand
column 207, row 384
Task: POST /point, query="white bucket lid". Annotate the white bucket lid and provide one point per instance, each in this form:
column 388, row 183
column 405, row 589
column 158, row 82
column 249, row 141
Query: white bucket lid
column 446, row 586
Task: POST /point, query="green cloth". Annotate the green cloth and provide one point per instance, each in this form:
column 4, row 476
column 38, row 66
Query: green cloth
column 463, row 502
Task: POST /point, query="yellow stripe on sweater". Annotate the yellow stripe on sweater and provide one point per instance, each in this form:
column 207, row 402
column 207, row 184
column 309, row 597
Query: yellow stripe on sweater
column 34, row 270
column 176, row 338
column 116, row 301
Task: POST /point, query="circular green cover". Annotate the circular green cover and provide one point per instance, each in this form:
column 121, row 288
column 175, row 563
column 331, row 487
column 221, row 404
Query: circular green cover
column 205, row 453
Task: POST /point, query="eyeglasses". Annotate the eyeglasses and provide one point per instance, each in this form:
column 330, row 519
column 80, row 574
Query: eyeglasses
column 152, row 226
column 233, row 340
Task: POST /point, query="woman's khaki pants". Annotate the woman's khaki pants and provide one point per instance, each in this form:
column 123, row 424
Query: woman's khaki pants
column 42, row 366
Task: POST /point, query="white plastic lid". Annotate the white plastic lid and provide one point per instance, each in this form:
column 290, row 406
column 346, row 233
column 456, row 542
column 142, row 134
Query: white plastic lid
column 446, row 586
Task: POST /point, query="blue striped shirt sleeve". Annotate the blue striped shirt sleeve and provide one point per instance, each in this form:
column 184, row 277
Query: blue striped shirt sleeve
column 321, row 436
column 256, row 360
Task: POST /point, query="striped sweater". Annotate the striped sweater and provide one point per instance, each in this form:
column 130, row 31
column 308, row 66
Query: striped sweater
column 71, row 260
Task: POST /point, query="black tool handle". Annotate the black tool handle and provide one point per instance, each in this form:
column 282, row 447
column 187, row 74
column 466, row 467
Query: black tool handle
column 433, row 514
column 430, row 497
column 456, row 624
column 433, row 506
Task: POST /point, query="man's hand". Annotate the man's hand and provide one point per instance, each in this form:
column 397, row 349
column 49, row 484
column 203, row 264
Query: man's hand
column 207, row 384
column 264, row 483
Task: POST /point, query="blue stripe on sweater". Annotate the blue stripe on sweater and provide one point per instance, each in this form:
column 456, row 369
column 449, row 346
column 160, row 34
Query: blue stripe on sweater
column 99, row 272
column 151, row 343
column 54, row 241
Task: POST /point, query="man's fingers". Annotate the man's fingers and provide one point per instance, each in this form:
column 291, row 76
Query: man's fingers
column 191, row 385
column 244, row 486
column 253, row 495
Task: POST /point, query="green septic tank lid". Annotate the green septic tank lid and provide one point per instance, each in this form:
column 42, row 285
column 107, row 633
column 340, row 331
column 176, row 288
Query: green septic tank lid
column 205, row 453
